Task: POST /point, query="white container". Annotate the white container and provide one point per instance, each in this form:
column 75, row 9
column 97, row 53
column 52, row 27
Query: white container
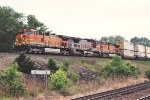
column 124, row 45
column 139, row 48
column 128, row 53
column 140, row 54
column 148, row 55
column 128, row 45
column 147, row 49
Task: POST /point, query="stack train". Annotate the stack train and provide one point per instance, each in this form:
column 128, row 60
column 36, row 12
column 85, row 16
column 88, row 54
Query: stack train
column 34, row 41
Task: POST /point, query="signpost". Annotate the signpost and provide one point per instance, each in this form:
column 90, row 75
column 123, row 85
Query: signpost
column 41, row 72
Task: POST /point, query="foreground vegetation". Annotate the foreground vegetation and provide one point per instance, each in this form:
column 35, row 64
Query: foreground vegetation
column 65, row 81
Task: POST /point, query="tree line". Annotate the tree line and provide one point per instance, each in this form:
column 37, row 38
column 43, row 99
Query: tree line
column 137, row 40
column 11, row 22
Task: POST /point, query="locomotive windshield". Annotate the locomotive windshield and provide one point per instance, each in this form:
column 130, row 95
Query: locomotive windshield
column 28, row 33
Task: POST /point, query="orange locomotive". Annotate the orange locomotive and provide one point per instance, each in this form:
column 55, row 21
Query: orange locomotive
column 29, row 40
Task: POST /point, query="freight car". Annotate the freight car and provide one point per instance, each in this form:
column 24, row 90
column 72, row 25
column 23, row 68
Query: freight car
column 29, row 40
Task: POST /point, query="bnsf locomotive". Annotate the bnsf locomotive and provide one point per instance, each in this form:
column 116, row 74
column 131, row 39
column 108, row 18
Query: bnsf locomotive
column 29, row 40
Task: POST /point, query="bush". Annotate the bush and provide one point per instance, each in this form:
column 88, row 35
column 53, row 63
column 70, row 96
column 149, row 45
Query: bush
column 116, row 67
column 82, row 60
column 65, row 65
column 52, row 64
column 147, row 74
column 131, row 69
column 58, row 81
column 12, row 81
column 74, row 76
column 25, row 63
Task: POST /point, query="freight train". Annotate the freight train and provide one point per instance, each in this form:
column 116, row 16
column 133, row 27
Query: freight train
column 35, row 41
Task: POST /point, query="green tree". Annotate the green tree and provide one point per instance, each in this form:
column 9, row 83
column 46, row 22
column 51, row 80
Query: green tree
column 65, row 65
column 52, row 64
column 35, row 24
column 142, row 41
column 25, row 63
column 58, row 81
column 73, row 76
column 112, row 39
column 12, row 81
column 10, row 23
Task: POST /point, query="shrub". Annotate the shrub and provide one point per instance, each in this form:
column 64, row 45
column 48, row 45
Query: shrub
column 147, row 74
column 131, row 69
column 25, row 63
column 82, row 60
column 52, row 64
column 73, row 76
column 65, row 65
column 116, row 67
column 12, row 81
column 58, row 80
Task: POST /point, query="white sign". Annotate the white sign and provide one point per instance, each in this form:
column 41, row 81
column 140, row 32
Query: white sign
column 40, row 72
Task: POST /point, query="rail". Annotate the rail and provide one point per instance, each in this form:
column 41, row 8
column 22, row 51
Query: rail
column 116, row 93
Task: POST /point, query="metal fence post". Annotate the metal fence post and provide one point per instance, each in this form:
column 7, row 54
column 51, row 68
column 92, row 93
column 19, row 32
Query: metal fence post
column 34, row 85
column 46, row 84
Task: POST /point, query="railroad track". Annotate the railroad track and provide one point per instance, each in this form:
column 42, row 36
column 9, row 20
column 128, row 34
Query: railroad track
column 89, row 56
column 145, row 98
column 108, row 95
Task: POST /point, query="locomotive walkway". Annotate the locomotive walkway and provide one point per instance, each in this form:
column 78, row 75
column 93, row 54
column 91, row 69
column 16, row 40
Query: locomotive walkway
column 108, row 95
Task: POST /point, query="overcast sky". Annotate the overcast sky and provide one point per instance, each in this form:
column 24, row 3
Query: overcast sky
column 89, row 18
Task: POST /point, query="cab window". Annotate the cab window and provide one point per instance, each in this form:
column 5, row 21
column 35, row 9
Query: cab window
column 28, row 33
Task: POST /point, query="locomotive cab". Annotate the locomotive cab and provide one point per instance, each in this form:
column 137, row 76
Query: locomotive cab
column 26, row 40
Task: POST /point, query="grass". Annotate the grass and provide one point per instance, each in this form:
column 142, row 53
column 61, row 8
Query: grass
column 105, row 85
column 93, row 68
column 145, row 63
column 90, row 67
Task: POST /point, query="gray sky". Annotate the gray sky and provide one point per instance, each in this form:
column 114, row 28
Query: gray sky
column 89, row 18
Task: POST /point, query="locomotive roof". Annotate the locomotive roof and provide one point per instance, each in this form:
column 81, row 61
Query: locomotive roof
column 63, row 36
column 75, row 38
column 89, row 39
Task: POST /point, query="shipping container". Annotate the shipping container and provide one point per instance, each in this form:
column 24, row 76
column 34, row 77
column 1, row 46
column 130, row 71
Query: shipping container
column 148, row 55
column 147, row 50
column 139, row 48
column 125, row 45
column 127, row 53
column 140, row 54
